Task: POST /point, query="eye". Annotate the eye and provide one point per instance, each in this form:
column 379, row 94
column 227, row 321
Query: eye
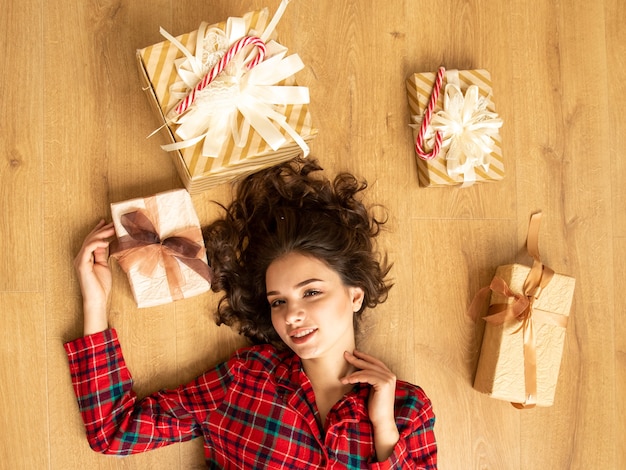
column 276, row 303
column 312, row 293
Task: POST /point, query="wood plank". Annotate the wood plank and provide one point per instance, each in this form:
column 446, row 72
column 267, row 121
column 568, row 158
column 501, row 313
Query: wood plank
column 619, row 253
column 559, row 42
column 432, row 39
column 615, row 16
column 114, row 163
column 452, row 260
column 21, row 147
column 23, row 388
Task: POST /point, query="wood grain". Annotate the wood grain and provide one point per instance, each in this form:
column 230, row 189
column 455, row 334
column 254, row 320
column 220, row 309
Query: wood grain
column 619, row 252
column 21, row 165
column 23, row 384
column 73, row 140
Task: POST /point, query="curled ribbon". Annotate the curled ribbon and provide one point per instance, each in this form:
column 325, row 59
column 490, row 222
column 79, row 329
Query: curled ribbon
column 256, row 94
column 144, row 248
column 521, row 309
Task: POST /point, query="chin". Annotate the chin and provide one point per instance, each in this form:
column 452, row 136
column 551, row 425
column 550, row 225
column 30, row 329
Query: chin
column 304, row 353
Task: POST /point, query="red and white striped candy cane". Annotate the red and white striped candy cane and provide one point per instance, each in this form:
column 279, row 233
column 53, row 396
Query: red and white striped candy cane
column 419, row 141
column 221, row 65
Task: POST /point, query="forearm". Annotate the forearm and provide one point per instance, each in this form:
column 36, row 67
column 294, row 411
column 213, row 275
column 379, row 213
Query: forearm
column 94, row 318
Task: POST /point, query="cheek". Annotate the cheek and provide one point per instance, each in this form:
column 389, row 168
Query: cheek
column 277, row 323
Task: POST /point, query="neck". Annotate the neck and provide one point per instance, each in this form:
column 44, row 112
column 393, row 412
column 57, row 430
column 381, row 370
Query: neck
column 326, row 372
column 325, row 375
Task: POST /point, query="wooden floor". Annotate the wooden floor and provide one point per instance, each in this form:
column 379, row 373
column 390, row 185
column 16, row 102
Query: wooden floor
column 73, row 140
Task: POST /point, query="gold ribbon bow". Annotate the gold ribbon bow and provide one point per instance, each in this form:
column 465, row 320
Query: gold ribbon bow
column 522, row 309
column 144, row 248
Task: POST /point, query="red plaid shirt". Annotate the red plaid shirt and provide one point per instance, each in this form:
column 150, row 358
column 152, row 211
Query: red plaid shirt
column 256, row 410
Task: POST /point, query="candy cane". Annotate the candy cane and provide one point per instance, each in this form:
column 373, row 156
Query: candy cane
column 419, row 142
column 219, row 67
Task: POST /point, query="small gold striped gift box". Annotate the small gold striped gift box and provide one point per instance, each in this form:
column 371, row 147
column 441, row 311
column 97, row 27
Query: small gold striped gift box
column 157, row 65
column 432, row 173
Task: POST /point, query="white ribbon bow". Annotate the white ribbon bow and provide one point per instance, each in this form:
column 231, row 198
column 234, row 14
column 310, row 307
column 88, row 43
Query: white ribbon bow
column 214, row 115
column 468, row 130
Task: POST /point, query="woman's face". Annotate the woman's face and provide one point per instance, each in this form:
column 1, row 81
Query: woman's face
column 312, row 310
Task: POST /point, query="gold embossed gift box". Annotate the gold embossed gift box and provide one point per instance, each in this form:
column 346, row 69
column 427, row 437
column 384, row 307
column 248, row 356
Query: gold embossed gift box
column 160, row 247
column 463, row 113
column 246, row 118
column 525, row 331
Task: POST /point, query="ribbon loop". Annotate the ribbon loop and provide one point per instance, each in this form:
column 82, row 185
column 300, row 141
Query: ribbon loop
column 182, row 247
column 141, row 227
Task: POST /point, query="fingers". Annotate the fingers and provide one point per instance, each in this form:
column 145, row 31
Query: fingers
column 100, row 223
column 99, row 236
column 366, row 358
column 102, row 230
column 100, row 254
column 103, row 235
column 372, row 370
column 94, row 248
column 364, row 361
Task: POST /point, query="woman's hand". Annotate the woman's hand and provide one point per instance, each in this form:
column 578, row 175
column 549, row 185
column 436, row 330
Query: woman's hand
column 381, row 399
column 94, row 276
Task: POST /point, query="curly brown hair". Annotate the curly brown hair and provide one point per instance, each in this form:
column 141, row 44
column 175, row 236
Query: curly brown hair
column 284, row 209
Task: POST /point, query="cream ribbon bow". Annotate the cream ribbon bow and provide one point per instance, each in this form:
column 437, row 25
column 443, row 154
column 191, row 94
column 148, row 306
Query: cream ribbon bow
column 214, row 116
column 468, row 129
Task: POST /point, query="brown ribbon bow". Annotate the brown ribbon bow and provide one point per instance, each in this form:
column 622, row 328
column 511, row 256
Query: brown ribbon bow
column 144, row 248
column 522, row 310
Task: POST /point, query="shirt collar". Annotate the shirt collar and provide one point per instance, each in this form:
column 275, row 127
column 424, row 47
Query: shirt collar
column 289, row 374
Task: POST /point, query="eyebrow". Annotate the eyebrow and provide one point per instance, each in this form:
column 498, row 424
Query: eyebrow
column 297, row 286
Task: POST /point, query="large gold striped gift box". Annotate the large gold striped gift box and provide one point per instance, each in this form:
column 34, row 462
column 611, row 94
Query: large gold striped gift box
column 434, row 172
column 157, row 65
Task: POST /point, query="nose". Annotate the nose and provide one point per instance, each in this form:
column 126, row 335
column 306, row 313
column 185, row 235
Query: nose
column 295, row 313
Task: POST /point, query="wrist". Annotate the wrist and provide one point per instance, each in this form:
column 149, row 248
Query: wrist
column 94, row 318
column 386, row 437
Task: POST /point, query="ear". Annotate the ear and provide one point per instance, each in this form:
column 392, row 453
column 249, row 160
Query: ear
column 357, row 295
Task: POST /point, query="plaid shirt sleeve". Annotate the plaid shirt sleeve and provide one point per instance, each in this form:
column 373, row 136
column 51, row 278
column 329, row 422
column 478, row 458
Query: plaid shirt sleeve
column 115, row 420
column 416, row 448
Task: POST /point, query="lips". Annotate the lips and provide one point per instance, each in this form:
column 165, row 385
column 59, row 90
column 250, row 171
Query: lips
column 302, row 335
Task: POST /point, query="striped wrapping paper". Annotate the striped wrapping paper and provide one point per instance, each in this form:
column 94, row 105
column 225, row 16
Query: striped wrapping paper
column 198, row 172
column 432, row 173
